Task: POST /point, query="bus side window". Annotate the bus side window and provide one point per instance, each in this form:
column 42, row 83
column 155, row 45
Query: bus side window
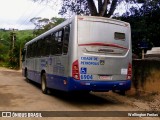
column 66, row 39
column 28, row 51
column 59, row 42
column 53, row 44
column 40, row 46
column 56, row 36
column 59, row 36
column 31, row 50
column 34, row 49
column 47, row 45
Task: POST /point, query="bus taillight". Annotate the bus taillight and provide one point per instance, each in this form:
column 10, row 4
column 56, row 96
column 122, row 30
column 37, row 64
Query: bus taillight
column 129, row 74
column 75, row 70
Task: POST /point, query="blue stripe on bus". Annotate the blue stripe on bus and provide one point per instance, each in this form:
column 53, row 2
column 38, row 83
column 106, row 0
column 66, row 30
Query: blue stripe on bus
column 93, row 85
column 57, row 82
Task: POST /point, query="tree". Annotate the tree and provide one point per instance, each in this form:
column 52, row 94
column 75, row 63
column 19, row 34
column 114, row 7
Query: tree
column 103, row 8
column 88, row 7
column 39, row 24
column 144, row 24
column 11, row 57
column 4, row 45
column 44, row 24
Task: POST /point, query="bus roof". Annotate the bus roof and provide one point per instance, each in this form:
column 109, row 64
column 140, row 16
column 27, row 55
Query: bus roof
column 76, row 17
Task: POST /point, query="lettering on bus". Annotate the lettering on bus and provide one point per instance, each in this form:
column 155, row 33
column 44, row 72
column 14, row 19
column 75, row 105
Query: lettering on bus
column 90, row 58
column 89, row 61
column 43, row 63
column 58, row 68
column 50, row 61
column 86, row 77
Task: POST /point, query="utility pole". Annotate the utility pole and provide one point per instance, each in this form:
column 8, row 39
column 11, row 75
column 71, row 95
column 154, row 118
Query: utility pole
column 13, row 39
column 12, row 47
column 20, row 57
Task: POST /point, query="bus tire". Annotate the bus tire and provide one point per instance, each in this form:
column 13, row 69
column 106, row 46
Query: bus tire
column 122, row 92
column 26, row 76
column 43, row 83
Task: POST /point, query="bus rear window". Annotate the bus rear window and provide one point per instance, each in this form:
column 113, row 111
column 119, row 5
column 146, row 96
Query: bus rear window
column 119, row 36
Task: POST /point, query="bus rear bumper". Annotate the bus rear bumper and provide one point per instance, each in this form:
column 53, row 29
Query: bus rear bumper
column 93, row 85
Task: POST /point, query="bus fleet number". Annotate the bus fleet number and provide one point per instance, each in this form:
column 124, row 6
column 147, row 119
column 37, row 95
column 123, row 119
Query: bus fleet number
column 86, row 77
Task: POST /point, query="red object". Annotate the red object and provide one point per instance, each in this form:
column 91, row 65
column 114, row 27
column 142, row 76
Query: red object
column 75, row 70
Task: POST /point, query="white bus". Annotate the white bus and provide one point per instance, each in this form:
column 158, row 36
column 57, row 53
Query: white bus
column 84, row 53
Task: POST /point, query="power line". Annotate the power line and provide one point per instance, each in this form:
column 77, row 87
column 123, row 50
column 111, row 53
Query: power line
column 31, row 15
column 27, row 19
column 24, row 14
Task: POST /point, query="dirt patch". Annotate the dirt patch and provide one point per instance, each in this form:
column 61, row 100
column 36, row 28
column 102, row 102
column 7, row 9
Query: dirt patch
column 145, row 100
column 10, row 73
column 7, row 99
column 142, row 95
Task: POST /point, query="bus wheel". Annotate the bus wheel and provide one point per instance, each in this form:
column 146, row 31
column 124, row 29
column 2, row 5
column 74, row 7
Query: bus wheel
column 43, row 83
column 122, row 92
column 26, row 75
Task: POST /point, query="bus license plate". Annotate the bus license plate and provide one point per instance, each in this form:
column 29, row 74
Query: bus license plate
column 105, row 77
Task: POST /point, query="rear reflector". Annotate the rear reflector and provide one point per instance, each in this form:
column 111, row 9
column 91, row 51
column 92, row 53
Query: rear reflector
column 129, row 74
column 75, row 70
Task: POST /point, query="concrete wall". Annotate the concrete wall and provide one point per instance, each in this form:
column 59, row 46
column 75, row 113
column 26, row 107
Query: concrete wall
column 146, row 75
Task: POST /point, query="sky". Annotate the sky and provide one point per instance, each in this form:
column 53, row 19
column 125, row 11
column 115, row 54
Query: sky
column 17, row 13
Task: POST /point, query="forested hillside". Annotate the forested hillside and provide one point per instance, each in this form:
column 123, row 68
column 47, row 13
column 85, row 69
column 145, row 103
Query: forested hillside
column 11, row 41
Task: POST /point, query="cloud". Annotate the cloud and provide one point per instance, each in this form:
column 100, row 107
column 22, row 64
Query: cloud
column 17, row 13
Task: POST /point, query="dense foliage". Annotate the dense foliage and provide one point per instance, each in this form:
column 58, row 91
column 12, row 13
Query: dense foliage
column 103, row 8
column 10, row 57
column 145, row 25
column 44, row 24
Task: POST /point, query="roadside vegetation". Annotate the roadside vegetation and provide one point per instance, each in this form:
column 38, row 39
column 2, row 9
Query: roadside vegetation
column 10, row 50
